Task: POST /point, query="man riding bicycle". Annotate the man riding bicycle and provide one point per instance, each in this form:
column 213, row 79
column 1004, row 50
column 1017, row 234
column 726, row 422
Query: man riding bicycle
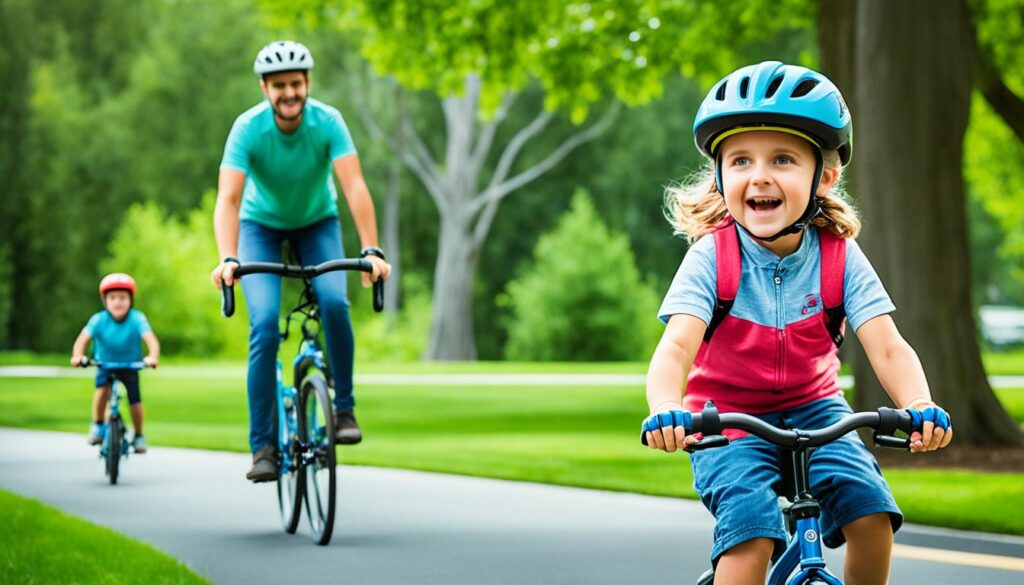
column 275, row 186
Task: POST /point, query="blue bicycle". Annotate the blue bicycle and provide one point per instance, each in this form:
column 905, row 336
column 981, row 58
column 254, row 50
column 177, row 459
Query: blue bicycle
column 114, row 445
column 802, row 563
column 304, row 423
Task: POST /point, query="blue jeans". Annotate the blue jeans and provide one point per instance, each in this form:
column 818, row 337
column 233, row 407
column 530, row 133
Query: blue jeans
column 312, row 244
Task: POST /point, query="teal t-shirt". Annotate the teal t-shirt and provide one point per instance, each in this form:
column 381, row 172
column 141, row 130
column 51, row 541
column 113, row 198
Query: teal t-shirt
column 288, row 176
column 115, row 341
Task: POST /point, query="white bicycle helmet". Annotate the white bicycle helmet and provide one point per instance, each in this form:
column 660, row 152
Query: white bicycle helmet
column 282, row 56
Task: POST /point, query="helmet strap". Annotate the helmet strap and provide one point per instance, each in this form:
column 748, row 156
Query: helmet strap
column 812, row 211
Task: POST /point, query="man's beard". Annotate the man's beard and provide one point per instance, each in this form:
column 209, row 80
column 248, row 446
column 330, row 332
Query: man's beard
column 302, row 108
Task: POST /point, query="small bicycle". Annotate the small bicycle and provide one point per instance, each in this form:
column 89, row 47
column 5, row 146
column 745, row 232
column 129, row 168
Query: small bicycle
column 304, row 422
column 799, row 508
column 114, row 445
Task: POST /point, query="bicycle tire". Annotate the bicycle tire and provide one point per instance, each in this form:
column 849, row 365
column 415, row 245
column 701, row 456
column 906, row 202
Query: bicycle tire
column 317, row 430
column 114, row 430
column 290, row 477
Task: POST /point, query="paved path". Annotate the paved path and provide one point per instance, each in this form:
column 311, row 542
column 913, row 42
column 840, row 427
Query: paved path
column 553, row 379
column 399, row 527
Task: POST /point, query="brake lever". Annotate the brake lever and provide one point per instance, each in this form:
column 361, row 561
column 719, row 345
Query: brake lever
column 708, row 442
column 891, row 441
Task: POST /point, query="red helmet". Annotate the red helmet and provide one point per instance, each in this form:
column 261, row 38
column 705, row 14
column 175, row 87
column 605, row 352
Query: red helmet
column 117, row 281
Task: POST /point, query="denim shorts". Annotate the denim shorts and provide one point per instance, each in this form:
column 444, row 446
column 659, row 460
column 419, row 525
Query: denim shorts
column 736, row 482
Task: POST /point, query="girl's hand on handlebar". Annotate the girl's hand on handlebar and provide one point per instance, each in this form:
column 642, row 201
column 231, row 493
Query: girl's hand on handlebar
column 665, row 430
column 76, row 360
column 936, row 427
column 381, row 269
column 224, row 273
column 151, row 362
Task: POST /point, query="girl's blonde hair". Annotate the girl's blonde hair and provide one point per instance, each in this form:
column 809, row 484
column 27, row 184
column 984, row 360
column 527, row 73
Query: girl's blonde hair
column 695, row 207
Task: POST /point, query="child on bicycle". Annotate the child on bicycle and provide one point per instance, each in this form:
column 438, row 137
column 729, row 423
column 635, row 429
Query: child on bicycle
column 755, row 316
column 116, row 333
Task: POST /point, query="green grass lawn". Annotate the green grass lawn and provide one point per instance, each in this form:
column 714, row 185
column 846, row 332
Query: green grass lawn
column 39, row 544
column 581, row 436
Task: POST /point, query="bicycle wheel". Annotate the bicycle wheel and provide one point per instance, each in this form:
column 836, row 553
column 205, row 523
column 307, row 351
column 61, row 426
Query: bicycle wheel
column 317, row 429
column 290, row 480
column 114, row 431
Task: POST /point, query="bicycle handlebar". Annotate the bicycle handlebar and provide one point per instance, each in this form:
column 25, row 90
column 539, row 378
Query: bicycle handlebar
column 885, row 421
column 227, row 306
column 86, row 362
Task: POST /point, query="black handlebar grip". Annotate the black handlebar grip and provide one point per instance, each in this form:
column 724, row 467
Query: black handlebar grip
column 378, row 295
column 227, row 301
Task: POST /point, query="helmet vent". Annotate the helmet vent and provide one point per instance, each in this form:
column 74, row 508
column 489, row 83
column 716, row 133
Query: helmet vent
column 744, row 84
column 720, row 94
column 804, row 87
column 291, row 56
column 279, row 57
column 773, row 86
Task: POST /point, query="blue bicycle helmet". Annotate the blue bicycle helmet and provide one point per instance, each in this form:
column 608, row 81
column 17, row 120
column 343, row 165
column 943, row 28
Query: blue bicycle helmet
column 774, row 94
column 784, row 98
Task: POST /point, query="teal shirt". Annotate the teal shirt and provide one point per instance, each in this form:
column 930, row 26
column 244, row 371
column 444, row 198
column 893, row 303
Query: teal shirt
column 114, row 341
column 288, row 181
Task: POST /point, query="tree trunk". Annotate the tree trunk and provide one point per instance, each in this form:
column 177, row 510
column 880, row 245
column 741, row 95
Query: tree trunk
column 466, row 208
column 914, row 74
column 451, row 329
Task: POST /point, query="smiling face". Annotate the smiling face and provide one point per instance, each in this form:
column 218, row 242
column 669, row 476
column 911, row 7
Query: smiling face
column 287, row 92
column 118, row 302
column 767, row 178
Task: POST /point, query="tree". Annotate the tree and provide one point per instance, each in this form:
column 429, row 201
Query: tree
column 478, row 58
column 909, row 82
column 581, row 297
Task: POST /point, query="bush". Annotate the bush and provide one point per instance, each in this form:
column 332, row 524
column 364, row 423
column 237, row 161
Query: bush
column 582, row 298
column 171, row 261
column 394, row 336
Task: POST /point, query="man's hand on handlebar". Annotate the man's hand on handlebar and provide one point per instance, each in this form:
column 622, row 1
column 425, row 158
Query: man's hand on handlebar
column 381, row 269
column 224, row 273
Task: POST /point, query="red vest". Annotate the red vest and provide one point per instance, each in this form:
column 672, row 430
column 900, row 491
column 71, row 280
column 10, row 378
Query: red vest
column 747, row 367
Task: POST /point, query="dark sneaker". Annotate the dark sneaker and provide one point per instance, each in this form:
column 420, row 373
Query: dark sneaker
column 346, row 429
column 139, row 444
column 264, row 465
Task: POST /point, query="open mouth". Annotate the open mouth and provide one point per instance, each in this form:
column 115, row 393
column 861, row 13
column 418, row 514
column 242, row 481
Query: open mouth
column 763, row 204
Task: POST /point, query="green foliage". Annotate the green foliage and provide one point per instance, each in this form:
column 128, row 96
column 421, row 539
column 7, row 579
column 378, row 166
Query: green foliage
column 41, row 544
column 1000, row 32
column 6, row 290
column 395, row 337
column 105, row 104
column 994, row 171
column 578, row 51
column 582, row 298
column 171, row 260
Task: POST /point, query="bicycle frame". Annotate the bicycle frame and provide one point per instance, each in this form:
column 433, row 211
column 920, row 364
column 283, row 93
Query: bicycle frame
column 115, row 412
column 804, row 548
column 288, row 395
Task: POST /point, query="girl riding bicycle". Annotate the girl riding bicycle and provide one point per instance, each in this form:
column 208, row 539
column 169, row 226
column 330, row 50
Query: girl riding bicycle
column 755, row 316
